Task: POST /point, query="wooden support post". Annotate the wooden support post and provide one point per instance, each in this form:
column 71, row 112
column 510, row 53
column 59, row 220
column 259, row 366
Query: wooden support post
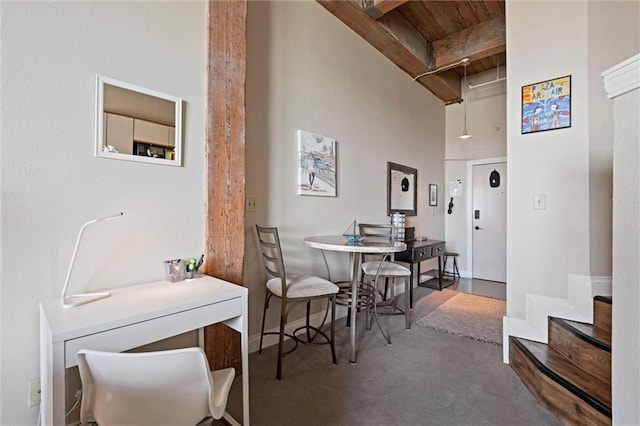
column 225, row 162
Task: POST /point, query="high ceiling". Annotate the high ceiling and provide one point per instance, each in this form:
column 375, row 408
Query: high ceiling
column 428, row 35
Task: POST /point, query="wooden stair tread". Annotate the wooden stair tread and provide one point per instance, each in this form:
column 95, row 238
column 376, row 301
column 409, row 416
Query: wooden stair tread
column 604, row 299
column 587, row 387
column 595, row 335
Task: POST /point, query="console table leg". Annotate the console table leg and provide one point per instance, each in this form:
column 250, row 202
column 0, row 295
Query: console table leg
column 411, row 286
column 439, row 272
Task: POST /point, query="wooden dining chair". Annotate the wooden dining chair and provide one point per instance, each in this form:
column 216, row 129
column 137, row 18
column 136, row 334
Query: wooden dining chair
column 384, row 268
column 293, row 290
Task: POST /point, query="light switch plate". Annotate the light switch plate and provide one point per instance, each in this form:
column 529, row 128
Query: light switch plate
column 34, row 393
column 539, row 201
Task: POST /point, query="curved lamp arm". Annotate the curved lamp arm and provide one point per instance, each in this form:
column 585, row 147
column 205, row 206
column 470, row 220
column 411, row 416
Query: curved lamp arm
column 81, row 299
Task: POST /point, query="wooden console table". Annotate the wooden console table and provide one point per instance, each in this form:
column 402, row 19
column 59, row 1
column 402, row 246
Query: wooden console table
column 417, row 252
column 134, row 316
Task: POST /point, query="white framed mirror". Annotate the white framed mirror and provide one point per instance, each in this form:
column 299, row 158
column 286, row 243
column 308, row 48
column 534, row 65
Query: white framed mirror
column 137, row 124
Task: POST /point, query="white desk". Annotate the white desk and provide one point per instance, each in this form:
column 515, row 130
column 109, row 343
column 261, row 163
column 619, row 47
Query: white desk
column 368, row 245
column 131, row 317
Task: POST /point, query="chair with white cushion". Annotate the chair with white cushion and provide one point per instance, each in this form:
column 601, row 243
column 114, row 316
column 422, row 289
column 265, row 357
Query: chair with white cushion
column 383, row 269
column 173, row 387
column 292, row 290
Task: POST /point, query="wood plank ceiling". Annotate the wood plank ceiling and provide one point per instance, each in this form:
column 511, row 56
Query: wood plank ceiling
column 423, row 36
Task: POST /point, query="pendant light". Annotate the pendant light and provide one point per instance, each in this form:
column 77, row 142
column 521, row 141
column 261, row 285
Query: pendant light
column 465, row 135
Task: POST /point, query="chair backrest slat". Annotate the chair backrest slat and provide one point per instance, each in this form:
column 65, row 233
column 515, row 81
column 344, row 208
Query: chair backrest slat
column 272, row 254
column 379, row 231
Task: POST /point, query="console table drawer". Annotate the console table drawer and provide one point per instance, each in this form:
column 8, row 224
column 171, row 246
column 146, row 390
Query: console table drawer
column 421, row 253
column 417, row 251
column 437, row 250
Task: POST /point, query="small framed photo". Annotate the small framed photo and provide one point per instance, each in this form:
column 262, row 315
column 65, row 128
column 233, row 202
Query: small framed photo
column 433, row 194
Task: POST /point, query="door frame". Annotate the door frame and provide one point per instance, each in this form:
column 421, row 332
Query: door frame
column 469, row 208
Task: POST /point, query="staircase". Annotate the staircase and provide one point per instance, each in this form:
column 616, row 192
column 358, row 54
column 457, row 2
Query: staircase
column 571, row 375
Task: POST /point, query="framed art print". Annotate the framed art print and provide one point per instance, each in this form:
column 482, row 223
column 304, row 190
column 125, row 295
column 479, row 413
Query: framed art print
column 433, row 195
column 316, row 165
column 546, row 105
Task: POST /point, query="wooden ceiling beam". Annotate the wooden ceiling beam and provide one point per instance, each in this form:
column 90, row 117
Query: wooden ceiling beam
column 399, row 42
column 476, row 42
column 400, row 29
column 377, row 8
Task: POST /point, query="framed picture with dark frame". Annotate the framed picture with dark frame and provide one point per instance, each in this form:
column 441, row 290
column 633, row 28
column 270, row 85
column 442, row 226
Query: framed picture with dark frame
column 433, row 195
column 402, row 191
column 546, row 105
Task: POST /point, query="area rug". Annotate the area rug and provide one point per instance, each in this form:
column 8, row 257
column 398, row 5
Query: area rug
column 467, row 315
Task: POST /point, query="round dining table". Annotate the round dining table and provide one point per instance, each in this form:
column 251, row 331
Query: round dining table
column 339, row 243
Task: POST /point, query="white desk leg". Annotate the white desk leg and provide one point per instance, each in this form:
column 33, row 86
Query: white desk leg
column 54, row 409
column 244, row 339
column 241, row 325
column 52, row 377
column 201, row 337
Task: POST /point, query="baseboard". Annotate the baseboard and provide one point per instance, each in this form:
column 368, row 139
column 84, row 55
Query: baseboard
column 578, row 306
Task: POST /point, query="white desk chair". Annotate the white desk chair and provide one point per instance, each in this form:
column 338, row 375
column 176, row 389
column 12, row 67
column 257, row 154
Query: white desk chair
column 172, row 387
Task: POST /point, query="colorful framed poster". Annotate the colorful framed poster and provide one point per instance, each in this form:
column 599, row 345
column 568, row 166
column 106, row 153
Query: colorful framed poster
column 316, row 165
column 546, row 105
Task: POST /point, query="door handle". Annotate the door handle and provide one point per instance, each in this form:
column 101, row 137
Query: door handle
column 477, row 227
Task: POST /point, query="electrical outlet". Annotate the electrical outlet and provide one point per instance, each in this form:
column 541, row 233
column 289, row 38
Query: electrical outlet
column 34, row 393
column 251, row 205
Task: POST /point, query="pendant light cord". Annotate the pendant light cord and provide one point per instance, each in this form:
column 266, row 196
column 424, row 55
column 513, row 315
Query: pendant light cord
column 464, row 100
column 464, row 135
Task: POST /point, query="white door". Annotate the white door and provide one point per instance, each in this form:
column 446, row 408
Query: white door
column 490, row 222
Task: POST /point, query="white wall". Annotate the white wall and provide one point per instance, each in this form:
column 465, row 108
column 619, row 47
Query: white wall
column 622, row 82
column 307, row 70
column 486, row 121
column 51, row 182
column 544, row 246
column 573, row 168
column 609, row 23
column 626, row 373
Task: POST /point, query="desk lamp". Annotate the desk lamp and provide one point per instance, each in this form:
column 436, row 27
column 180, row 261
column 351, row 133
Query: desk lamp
column 82, row 298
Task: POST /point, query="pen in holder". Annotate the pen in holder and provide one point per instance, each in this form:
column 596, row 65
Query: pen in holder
column 174, row 270
column 192, row 267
